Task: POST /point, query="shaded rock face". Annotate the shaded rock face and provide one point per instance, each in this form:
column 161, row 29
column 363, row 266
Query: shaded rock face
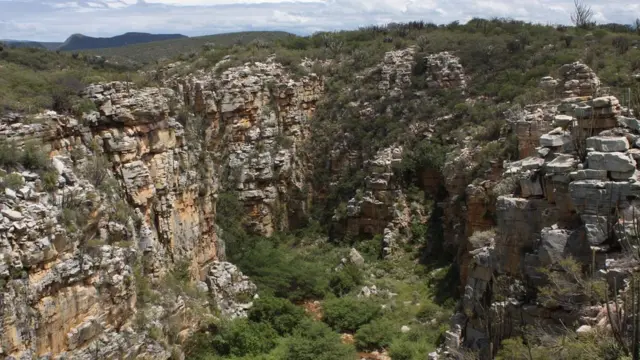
column 70, row 296
column 259, row 120
column 576, row 189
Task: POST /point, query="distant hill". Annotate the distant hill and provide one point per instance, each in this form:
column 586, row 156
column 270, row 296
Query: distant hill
column 32, row 44
column 82, row 42
column 149, row 52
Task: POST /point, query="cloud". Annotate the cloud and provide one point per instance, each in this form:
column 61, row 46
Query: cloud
column 54, row 20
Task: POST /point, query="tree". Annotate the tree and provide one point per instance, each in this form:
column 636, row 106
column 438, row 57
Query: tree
column 582, row 16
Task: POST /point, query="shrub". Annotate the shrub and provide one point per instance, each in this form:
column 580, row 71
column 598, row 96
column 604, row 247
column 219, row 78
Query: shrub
column 96, row 170
column 13, row 181
column 242, row 337
column 401, row 350
column 376, row 335
column 84, row 106
column 349, row 314
column 428, row 311
column 316, row 341
column 9, row 156
column 345, row 280
column 50, row 180
column 280, row 314
column 34, row 158
column 280, row 274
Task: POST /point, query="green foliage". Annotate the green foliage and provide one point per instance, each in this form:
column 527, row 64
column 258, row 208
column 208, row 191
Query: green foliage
column 279, row 313
column 596, row 346
column 50, row 180
column 281, row 274
column 13, row 181
column 316, row 341
column 242, row 337
column 34, row 158
column 9, row 156
column 345, row 280
column 376, row 335
column 349, row 314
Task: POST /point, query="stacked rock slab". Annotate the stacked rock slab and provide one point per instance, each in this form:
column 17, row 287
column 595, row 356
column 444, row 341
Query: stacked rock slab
column 577, row 194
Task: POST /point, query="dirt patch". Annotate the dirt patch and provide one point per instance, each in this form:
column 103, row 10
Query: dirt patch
column 314, row 309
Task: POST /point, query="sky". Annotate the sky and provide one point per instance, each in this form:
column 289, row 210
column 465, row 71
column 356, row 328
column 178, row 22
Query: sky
column 55, row 20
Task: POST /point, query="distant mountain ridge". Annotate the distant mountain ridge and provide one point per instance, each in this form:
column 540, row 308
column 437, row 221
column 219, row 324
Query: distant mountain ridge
column 83, row 42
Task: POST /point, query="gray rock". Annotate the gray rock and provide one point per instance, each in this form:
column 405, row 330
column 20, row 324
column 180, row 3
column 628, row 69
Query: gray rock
column 629, row 122
column 564, row 163
column 596, row 228
column 12, row 215
column 613, row 161
column 552, row 245
column 605, row 101
column 10, row 193
column 355, row 258
column 554, row 140
column 608, row 144
column 532, row 163
column 562, row 120
column 589, row 174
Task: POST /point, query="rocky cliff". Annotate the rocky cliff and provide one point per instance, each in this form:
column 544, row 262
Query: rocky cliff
column 132, row 199
column 573, row 197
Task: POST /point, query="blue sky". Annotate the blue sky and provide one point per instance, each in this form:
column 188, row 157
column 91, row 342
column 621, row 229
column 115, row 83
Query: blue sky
column 55, row 20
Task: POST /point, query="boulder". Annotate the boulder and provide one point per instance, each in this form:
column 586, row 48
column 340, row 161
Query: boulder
column 564, row 163
column 612, row 161
column 552, row 245
column 608, row 144
column 554, row 140
column 355, row 258
column 12, row 215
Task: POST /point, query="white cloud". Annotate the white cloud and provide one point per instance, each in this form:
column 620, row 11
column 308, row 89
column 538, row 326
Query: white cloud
column 54, row 20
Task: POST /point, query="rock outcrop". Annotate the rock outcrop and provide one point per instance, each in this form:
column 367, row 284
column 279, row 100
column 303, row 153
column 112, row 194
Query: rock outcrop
column 144, row 170
column 575, row 196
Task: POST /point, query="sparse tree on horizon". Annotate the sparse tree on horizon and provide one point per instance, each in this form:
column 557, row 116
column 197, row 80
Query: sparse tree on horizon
column 582, row 15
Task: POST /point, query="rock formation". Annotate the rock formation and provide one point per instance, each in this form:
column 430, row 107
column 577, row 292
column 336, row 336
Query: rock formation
column 147, row 167
column 575, row 196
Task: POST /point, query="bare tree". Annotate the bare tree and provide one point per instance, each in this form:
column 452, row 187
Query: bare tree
column 582, row 16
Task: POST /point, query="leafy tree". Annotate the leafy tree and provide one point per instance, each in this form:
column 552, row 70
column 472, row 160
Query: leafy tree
column 376, row 335
column 349, row 314
column 315, row 341
column 280, row 314
column 242, row 337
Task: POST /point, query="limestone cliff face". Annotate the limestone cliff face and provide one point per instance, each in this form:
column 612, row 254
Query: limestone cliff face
column 145, row 169
column 573, row 195
column 259, row 121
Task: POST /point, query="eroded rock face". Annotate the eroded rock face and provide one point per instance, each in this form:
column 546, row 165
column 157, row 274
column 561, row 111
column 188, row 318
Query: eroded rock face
column 259, row 121
column 576, row 188
column 71, row 293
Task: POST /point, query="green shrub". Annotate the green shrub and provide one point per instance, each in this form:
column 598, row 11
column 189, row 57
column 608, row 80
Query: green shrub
column 242, row 337
column 9, row 155
column 13, row 181
column 349, row 314
column 84, row 106
column 315, row 341
column 345, row 280
column 34, row 158
column 376, row 335
column 50, row 180
column 401, row 350
column 280, row 314
column 278, row 272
